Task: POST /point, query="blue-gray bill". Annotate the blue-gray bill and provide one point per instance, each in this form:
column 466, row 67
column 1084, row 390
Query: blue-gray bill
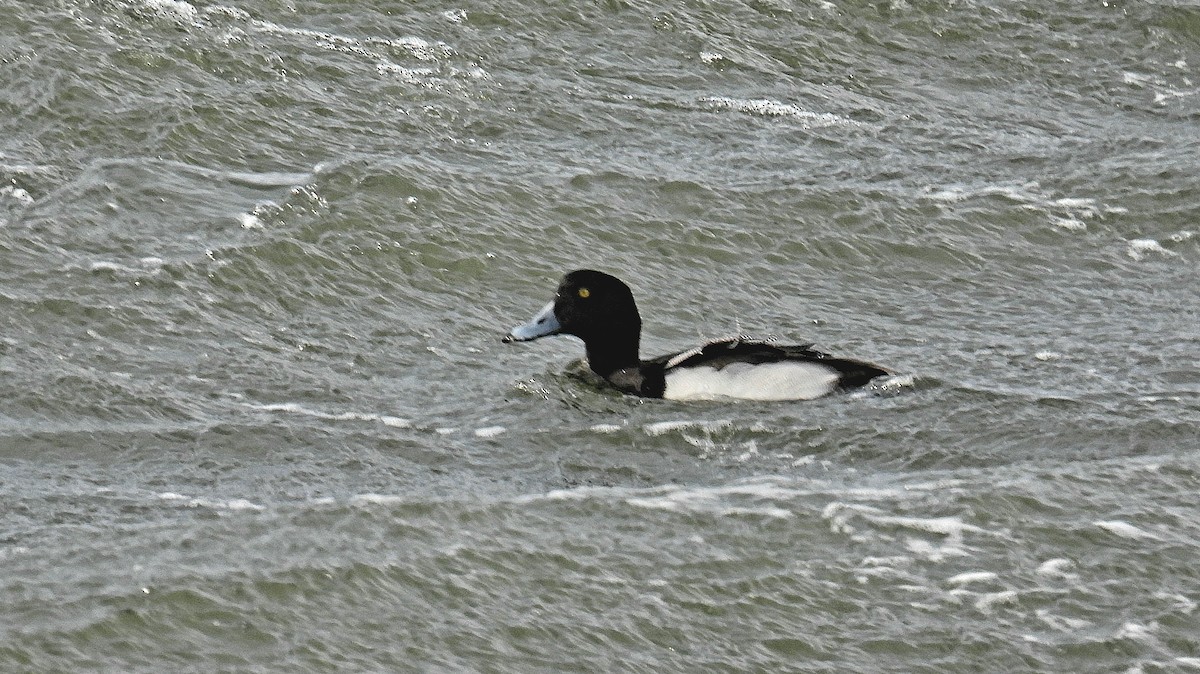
column 544, row 324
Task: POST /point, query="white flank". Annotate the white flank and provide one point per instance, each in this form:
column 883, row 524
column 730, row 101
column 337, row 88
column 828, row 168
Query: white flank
column 774, row 381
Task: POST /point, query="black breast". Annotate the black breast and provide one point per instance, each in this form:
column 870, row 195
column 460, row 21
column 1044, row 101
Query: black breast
column 646, row 380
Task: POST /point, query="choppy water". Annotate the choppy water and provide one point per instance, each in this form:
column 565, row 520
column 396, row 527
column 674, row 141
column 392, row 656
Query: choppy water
column 256, row 257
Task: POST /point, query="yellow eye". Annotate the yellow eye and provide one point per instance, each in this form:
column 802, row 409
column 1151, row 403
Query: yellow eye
column 585, row 293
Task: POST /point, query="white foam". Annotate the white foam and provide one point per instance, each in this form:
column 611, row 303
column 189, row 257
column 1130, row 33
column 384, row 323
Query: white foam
column 13, row 551
column 148, row 265
column 296, row 408
column 1136, row 632
column 376, row 499
column 575, row 494
column 228, row 12
column 706, row 500
column 892, row 560
column 679, row 503
column 950, row 527
column 756, row 498
column 773, row 497
column 1181, row 603
column 890, row 568
column 934, row 552
column 972, row 577
column 606, row 428
column 1069, row 223
column 768, row 108
column 395, row 422
column 422, row 77
column 174, row 10
column 1075, row 202
column 1020, row 193
column 104, row 265
column 417, row 47
column 1124, row 530
column 1055, row 568
column 1069, row 213
column 751, row 451
column 232, row 504
column 664, row 427
column 1161, row 97
column 1140, row 248
column 1139, row 79
column 16, row 194
column 1062, row 623
column 947, row 194
column 841, row 515
column 756, row 489
column 489, row 431
column 889, row 384
column 989, row 600
column 1159, row 399
column 864, row 576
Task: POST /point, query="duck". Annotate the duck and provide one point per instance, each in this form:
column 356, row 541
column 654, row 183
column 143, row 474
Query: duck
column 600, row 310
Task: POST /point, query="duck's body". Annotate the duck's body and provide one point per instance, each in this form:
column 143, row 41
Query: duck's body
column 600, row 310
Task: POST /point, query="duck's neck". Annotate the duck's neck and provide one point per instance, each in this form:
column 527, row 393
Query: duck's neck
column 606, row 356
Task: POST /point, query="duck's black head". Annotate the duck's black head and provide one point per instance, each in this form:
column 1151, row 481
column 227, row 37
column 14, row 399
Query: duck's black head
column 597, row 308
column 594, row 305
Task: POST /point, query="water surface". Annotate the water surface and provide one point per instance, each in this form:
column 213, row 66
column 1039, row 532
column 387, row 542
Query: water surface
column 256, row 258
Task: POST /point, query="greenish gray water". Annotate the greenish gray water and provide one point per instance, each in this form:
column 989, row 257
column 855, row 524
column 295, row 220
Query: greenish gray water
column 256, row 258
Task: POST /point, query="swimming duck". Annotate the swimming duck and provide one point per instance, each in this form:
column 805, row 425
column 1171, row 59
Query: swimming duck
column 600, row 310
